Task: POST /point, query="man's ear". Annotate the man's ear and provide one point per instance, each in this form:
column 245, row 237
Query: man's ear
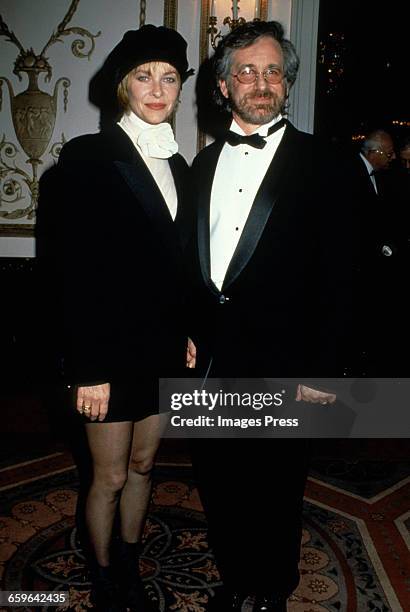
column 370, row 155
column 224, row 88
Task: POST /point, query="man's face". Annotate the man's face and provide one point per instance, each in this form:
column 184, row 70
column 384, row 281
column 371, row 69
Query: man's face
column 257, row 103
column 381, row 157
column 405, row 158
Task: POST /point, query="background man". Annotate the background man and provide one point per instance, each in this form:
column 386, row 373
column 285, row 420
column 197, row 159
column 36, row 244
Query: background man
column 383, row 221
column 272, row 297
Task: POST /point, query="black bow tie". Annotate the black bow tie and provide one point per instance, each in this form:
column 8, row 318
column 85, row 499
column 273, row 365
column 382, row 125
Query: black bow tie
column 254, row 140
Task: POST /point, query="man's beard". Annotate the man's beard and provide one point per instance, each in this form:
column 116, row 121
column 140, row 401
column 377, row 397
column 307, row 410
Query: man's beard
column 258, row 112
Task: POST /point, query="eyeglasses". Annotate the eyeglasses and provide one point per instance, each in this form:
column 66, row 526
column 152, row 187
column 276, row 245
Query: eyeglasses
column 249, row 75
column 388, row 155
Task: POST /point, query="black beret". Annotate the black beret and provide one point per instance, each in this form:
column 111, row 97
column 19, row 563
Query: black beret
column 150, row 44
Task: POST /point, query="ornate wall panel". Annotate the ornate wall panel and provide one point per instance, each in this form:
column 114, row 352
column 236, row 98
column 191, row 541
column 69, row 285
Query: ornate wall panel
column 40, row 46
column 34, row 112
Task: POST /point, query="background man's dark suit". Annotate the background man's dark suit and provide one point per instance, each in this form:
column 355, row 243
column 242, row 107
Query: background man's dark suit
column 382, row 219
column 284, row 310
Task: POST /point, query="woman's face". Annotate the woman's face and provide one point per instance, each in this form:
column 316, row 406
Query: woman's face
column 153, row 90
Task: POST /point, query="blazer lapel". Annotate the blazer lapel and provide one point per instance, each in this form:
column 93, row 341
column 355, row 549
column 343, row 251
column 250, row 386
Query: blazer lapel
column 142, row 184
column 179, row 169
column 204, row 204
column 179, row 177
column 265, row 200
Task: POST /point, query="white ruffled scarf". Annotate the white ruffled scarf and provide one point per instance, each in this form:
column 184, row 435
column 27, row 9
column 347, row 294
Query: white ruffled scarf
column 155, row 141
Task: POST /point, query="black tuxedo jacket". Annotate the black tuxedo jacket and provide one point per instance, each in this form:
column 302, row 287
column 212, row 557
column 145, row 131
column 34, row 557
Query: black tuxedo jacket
column 383, row 216
column 383, row 264
column 117, row 261
column 286, row 303
column 376, row 217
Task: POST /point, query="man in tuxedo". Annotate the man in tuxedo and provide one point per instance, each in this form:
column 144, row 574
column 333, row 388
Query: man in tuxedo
column 272, row 263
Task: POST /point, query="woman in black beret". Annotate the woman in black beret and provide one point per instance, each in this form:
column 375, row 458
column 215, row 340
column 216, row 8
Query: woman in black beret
column 122, row 229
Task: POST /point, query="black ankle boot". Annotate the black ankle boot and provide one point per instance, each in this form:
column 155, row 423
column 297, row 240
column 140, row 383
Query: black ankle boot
column 105, row 595
column 126, row 560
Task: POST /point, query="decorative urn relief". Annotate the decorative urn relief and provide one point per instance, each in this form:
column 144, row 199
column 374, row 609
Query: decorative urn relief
column 34, row 114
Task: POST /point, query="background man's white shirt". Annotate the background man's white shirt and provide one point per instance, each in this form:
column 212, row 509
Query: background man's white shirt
column 370, row 169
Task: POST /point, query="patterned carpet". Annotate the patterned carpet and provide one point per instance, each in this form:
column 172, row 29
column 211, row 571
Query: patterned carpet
column 354, row 554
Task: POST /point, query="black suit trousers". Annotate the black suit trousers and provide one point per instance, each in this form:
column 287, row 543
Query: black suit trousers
column 252, row 492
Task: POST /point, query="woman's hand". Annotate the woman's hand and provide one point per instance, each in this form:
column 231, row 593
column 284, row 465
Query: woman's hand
column 92, row 401
column 190, row 354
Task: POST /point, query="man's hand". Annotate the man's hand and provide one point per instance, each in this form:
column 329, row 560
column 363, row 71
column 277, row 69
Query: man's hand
column 306, row 394
column 190, row 354
column 92, row 401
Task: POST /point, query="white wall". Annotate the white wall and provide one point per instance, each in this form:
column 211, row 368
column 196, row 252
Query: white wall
column 280, row 10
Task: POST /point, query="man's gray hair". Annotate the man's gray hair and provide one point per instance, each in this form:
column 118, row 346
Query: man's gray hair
column 373, row 140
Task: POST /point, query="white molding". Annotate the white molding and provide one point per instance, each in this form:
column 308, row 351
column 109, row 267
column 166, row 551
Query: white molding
column 17, row 247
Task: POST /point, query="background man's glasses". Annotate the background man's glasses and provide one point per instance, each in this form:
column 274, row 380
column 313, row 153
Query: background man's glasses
column 247, row 76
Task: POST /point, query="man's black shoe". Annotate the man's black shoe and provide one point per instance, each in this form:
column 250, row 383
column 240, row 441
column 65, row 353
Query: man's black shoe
column 270, row 604
column 225, row 601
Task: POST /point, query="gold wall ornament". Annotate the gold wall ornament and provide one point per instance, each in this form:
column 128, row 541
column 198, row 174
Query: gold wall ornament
column 57, row 146
column 143, row 12
column 171, row 21
column 233, row 20
column 16, row 183
column 171, row 14
column 34, row 114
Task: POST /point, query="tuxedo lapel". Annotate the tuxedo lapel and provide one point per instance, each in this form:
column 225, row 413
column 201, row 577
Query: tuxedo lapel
column 204, row 205
column 367, row 181
column 266, row 198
